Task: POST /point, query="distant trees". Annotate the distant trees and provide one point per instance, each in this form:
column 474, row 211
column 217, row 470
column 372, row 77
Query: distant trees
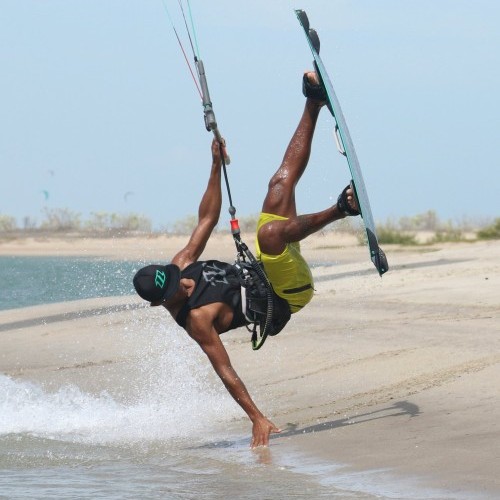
column 7, row 223
column 491, row 232
column 403, row 231
column 64, row 220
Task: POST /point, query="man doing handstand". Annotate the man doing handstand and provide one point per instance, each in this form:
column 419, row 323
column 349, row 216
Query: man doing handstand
column 204, row 297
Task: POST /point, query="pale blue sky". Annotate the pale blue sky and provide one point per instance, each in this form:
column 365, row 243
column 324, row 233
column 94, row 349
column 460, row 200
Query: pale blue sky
column 96, row 101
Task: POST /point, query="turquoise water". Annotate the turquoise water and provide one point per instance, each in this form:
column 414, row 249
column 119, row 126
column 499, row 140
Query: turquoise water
column 28, row 281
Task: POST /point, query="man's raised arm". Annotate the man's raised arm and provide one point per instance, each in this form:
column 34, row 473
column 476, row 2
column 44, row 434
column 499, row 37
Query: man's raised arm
column 208, row 213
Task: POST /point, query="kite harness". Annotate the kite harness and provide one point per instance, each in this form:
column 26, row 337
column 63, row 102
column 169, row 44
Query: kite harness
column 266, row 313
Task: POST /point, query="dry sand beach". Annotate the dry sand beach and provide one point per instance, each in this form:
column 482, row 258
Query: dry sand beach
column 398, row 374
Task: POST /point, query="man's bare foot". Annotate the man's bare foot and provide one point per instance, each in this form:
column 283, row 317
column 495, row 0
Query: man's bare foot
column 312, row 77
column 347, row 202
column 312, row 88
column 352, row 201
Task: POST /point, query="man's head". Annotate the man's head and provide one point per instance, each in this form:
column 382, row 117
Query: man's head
column 156, row 283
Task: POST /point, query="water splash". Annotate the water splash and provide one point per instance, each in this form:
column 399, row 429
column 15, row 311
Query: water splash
column 174, row 395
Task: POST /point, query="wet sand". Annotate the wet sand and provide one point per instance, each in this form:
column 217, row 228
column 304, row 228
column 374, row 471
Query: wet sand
column 399, row 373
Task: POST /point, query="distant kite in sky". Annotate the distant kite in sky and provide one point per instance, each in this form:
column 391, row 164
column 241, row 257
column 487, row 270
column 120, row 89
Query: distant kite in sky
column 127, row 195
column 45, row 194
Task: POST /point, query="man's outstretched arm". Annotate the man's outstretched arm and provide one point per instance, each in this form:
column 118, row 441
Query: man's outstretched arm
column 207, row 337
column 208, row 213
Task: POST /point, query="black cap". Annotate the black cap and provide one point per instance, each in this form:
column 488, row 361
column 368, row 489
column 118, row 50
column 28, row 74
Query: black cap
column 156, row 283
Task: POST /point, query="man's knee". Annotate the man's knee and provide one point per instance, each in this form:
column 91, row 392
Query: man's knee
column 270, row 237
column 265, row 233
column 280, row 193
column 276, row 182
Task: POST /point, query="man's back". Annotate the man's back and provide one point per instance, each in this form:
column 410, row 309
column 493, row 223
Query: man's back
column 214, row 282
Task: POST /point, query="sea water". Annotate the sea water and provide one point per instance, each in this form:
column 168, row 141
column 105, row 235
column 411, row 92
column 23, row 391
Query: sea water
column 29, row 281
column 174, row 439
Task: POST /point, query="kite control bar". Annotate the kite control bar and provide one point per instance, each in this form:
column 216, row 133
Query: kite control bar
column 208, row 111
column 211, row 126
column 210, row 121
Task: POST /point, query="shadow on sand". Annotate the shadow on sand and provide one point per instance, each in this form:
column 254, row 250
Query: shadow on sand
column 400, row 408
column 397, row 409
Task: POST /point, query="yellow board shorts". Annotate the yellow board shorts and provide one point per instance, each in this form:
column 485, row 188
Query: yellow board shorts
column 288, row 272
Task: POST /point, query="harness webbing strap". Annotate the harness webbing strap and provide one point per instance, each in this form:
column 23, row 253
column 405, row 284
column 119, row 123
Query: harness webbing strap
column 245, row 255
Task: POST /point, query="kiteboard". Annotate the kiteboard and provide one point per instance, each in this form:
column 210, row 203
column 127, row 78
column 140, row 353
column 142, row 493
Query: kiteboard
column 345, row 147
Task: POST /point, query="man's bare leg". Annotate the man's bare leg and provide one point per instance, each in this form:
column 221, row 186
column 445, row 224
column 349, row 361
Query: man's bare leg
column 280, row 199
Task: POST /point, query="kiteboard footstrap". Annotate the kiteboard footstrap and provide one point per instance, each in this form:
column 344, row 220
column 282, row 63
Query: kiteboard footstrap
column 313, row 90
column 343, row 204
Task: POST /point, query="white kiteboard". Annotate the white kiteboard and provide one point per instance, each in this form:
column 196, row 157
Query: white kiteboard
column 346, row 147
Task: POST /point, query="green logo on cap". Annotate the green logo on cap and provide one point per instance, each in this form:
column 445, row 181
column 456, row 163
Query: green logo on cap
column 160, row 278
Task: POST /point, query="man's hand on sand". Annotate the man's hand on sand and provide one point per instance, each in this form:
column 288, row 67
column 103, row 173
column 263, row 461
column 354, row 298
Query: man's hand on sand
column 261, row 430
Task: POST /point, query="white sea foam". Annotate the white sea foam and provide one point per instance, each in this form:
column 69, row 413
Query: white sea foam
column 176, row 396
column 74, row 415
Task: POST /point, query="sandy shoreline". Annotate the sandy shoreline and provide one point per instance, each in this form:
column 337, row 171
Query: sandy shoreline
column 400, row 372
column 159, row 247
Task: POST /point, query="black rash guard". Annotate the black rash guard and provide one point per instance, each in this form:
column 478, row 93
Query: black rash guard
column 215, row 281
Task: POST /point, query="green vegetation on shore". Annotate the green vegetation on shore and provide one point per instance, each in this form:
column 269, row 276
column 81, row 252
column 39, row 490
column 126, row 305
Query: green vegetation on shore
column 63, row 220
column 409, row 230
column 426, row 228
column 491, row 232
